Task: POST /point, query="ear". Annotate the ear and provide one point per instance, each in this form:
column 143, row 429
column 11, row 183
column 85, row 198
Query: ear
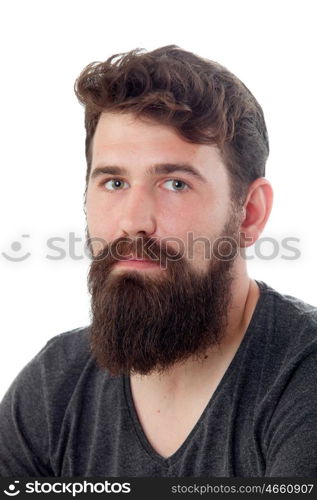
column 257, row 209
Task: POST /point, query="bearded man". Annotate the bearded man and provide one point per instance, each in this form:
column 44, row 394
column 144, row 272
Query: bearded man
column 189, row 367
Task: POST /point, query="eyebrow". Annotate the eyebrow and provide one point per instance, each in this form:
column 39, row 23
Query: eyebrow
column 160, row 168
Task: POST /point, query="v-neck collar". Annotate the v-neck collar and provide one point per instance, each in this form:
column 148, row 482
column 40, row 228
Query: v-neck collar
column 233, row 366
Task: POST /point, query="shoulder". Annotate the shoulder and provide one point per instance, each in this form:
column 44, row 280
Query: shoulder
column 67, row 349
column 57, row 366
column 291, row 321
column 33, row 409
column 288, row 302
column 282, row 340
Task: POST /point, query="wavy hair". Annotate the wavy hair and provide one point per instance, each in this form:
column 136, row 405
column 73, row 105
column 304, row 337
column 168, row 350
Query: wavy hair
column 203, row 101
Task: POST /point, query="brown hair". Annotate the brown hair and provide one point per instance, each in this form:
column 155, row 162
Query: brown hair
column 199, row 98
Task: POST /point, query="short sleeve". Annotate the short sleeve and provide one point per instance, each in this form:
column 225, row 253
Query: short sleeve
column 292, row 432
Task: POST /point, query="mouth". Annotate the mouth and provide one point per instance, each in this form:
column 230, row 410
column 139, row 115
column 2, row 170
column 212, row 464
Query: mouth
column 135, row 258
column 133, row 261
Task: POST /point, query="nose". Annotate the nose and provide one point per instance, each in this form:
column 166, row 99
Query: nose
column 138, row 213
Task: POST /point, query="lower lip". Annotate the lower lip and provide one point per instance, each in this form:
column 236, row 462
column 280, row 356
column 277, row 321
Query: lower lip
column 140, row 264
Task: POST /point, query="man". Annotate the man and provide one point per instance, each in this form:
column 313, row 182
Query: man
column 189, row 367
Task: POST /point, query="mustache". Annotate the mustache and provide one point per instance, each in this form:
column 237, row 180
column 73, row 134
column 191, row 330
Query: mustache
column 140, row 248
column 100, row 279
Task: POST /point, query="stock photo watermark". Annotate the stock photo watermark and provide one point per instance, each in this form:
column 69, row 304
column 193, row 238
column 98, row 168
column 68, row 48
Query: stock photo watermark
column 76, row 247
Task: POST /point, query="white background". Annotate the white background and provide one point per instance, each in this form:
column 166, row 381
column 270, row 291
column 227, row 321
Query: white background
column 270, row 46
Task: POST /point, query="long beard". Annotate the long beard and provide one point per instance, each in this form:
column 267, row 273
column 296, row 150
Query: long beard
column 144, row 322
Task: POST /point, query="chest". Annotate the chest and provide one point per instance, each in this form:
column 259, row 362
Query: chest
column 167, row 424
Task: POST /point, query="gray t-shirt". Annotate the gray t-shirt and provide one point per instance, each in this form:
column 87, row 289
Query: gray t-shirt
column 63, row 416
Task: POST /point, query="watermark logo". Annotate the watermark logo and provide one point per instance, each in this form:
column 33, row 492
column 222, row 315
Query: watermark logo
column 63, row 487
column 15, row 248
column 77, row 248
column 12, row 490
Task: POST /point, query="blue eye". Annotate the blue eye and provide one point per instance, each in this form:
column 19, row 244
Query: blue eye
column 115, row 184
column 178, row 185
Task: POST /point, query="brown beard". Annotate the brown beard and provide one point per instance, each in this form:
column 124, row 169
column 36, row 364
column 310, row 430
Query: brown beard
column 147, row 321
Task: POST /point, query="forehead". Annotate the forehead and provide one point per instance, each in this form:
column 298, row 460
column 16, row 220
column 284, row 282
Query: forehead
column 134, row 143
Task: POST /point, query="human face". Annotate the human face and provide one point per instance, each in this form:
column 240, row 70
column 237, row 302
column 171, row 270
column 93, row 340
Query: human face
column 145, row 316
column 149, row 198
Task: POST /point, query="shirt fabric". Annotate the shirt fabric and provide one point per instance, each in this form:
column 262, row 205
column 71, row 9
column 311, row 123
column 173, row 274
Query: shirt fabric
column 64, row 416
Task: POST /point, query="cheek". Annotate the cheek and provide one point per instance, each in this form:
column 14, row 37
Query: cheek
column 189, row 233
column 102, row 227
column 101, row 223
column 204, row 226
